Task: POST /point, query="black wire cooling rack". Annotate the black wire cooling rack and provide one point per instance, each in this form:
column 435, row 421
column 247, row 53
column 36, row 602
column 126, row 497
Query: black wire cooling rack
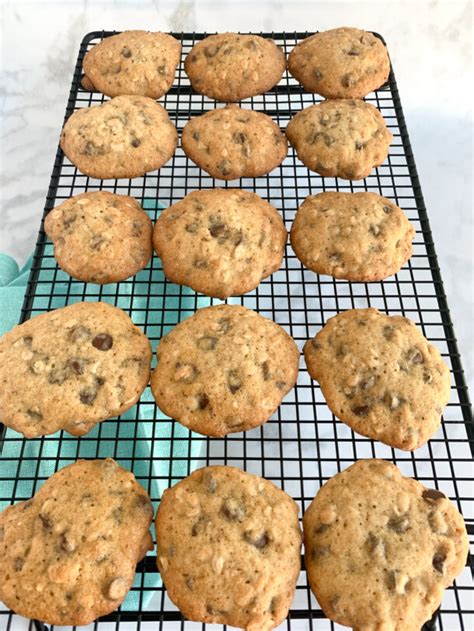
column 303, row 444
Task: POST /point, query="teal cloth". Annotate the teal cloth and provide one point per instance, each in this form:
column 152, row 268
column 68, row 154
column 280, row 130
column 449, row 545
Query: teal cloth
column 153, row 448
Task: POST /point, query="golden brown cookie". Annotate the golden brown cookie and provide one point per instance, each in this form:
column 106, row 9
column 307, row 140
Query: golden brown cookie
column 380, row 376
column 230, row 143
column 381, row 548
column 220, row 242
column 229, row 548
column 132, row 63
column 69, row 553
column 71, row 368
column 342, row 138
column 230, row 67
column 100, row 237
column 355, row 236
column 125, row 137
column 340, row 63
column 225, row 369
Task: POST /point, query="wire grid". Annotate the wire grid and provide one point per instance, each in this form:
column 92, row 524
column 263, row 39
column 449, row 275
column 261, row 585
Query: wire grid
column 303, row 445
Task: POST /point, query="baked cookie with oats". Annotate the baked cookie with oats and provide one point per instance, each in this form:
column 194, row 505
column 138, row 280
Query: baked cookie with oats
column 71, row 368
column 230, row 143
column 125, row 137
column 229, row 67
column 380, row 548
column 342, row 63
column 342, row 138
column 380, row 376
column 228, row 548
column 139, row 63
column 355, row 236
column 69, row 553
column 220, row 242
column 225, row 369
column 100, row 237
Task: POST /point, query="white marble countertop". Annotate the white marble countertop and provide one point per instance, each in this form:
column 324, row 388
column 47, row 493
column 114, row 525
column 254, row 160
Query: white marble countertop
column 430, row 46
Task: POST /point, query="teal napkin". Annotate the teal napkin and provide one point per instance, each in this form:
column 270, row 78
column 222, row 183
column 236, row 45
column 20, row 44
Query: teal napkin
column 157, row 450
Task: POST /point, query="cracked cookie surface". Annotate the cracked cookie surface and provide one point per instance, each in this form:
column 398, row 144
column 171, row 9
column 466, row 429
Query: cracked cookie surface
column 356, row 236
column 230, row 142
column 230, row 67
column 100, row 237
column 125, row 137
column 69, row 553
column 225, row 369
column 133, row 63
column 228, row 548
column 342, row 138
column 341, row 63
column 71, row 368
column 220, row 242
column 381, row 548
column 380, row 376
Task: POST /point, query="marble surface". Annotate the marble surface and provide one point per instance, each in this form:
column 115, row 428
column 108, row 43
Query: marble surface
column 430, row 44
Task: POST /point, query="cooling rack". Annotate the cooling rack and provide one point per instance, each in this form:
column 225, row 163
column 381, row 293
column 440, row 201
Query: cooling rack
column 303, row 444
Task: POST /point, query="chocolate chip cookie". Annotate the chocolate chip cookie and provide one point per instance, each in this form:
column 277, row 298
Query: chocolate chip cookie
column 356, row 236
column 220, row 242
column 229, row 143
column 69, row 553
column 133, row 62
column 100, row 237
column 230, row 67
column 381, row 548
column 225, row 369
column 380, row 376
column 342, row 138
column 125, row 137
column 71, row 368
column 341, row 63
column 229, row 548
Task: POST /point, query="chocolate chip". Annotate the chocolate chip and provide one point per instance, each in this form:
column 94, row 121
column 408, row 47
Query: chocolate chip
column 266, row 371
column 259, row 541
column 218, row 230
column 415, row 356
column 161, row 70
column 353, row 52
column 233, row 381
column 347, row 80
column 207, row 343
column 233, row 510
column 126, row 52
column 239, row 138
column 103, row 342
column 438, row 561
column 361, row 410
column 27, row 339
column 79, row 333
column 398, row 523
column 192, row 227
column 359, row 145
column 77, row 365
column 391, row 579
column 19, row 563
column 387, row 331
column 320, row 552
column 224, row 167
column 432, row 495
column 34, row 415
column 224, row 325
column 58, row 374
column 387, row 210
column 135, row 142
column 195, row 135
column 342, row 351
column 203, row 401
column 88, row 395
column 91, row 149
column 47, row 523
column 238, row 238
column 199, row 525
column 318, row 75
column 200, row 263
column 427, row 377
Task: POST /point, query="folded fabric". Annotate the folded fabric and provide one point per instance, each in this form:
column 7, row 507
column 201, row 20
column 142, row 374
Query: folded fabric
column 158, row 451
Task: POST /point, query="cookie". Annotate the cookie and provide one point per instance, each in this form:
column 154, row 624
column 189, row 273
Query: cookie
column 220, row 242
column 380, row 548
column 229, row 143
column 100, row 237
column 71, row 368
column 340, row 138
column 225, row 369
column 343, row 63
column 380, row 376
column 69, row 553
column 133, row 63
column 228, row 548
column 125, row 137
column 356, row 236
column 230, row 67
